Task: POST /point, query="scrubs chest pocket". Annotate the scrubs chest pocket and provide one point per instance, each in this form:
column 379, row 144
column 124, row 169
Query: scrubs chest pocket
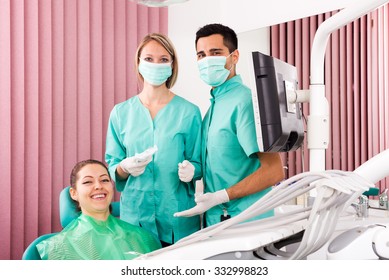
column 223, row 139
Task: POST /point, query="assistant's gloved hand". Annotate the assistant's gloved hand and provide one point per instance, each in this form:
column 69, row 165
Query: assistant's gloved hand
column 186, row 171
column 205, row 202
column 134, row 166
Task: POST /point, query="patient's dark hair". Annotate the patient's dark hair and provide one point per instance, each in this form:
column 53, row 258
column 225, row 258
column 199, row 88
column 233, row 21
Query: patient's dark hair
column 76, row 169
column 79, row 166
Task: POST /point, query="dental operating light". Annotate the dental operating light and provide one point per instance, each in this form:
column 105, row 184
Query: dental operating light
column 158, row 3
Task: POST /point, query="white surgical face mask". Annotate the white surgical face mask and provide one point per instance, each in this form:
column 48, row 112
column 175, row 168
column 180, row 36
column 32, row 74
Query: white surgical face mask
column 155, row 73
column 212, row 70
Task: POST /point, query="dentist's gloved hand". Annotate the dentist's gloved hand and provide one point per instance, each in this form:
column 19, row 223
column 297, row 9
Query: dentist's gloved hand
column 134, row 166
column 186, row 171
column 205, row 202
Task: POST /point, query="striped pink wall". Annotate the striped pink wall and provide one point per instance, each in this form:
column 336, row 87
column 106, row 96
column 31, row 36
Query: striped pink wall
column 356, row 79
column 63, row 66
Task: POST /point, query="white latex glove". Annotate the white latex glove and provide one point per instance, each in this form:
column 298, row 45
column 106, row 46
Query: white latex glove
column 186, row 171
column 134, row 166
column 205, row 202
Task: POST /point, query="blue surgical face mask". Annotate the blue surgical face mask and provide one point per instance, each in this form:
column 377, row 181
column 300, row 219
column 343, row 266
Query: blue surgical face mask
column 155, row 73
column 212, row 70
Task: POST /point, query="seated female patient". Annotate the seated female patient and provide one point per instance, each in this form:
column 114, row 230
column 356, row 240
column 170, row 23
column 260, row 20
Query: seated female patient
column 96, row 234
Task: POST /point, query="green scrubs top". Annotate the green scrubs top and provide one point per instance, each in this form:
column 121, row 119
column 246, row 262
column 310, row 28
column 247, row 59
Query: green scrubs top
column 151, row 199
column 229, row 146
column 86, row 238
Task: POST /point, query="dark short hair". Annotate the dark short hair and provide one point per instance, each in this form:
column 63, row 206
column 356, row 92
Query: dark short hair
column 230, row 39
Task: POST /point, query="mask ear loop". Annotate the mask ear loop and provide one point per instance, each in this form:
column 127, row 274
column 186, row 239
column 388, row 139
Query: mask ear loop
column 232, row 63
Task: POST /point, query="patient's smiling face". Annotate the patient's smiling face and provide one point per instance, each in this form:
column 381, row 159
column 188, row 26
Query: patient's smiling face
column 94, row 191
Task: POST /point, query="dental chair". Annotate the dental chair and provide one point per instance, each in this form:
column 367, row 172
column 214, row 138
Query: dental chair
column 67, row 213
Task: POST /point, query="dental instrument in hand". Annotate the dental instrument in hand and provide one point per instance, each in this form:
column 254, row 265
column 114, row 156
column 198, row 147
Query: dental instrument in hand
column 136, row 165
column 204, row 202
column 146, row 154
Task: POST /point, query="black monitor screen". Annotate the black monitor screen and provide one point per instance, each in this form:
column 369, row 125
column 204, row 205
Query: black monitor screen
column 279, row 124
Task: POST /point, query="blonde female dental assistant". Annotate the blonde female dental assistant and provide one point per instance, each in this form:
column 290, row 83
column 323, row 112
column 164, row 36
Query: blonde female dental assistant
column 164, row 183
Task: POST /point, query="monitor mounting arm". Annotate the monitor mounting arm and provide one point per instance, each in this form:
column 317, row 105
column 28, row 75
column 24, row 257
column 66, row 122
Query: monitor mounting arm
column 318, row 120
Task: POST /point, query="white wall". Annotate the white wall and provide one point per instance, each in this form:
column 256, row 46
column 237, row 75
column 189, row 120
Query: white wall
column 248, row 15
column 184, row 20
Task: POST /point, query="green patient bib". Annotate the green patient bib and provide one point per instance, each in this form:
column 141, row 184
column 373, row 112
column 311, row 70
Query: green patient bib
column 88, row 239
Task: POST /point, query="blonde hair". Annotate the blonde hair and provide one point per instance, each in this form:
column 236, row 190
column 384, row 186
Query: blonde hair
column 165, row 42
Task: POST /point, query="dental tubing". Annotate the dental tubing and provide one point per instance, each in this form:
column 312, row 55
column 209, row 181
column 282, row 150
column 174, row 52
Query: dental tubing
column 336, row 190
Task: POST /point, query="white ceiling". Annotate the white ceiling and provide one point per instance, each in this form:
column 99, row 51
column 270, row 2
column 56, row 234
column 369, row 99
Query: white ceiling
column 248, row 15
column 262, row 13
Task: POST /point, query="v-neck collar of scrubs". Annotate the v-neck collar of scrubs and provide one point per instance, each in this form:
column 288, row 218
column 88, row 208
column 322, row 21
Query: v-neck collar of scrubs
column 223, row 89
column 160, row 112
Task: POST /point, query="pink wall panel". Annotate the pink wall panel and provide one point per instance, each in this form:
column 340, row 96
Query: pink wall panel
column 355, row 68
column 58, row 120
column 64, row 65
column 364, row 78
column 131, row 39
column 70, row 85
column 5, row 127
column 31, row 95
column 120, row 37
column 96, row 79
column 385, row 98
column 83, row 93
column 381, row 77
column 374, row 87
column 45, row 109
column 335, row 116
column 108, row 60
column 17, row 121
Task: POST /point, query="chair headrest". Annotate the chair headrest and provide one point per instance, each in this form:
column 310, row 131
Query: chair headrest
column 68, row 210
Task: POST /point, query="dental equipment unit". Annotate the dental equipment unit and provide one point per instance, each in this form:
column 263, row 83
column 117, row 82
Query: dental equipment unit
column 383, row 200
column 368, row 242
column 311, row 226
column 362, row 206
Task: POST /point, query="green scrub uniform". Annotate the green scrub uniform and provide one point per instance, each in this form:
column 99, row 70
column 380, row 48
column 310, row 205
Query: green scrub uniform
column 86, row 238
column 151, row 199
column 229, row 147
